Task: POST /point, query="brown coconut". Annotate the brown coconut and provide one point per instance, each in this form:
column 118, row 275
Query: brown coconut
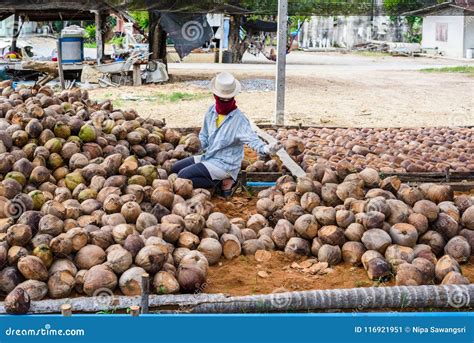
column 89, row 256
column 330, row 254
column 130, row 281
column 404, row 234
column 458, row 247
column 98, row 278
column 32, row 268
column 165, row 283
column 445, row 265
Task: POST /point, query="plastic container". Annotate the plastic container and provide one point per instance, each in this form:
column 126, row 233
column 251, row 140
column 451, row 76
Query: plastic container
column 470, row 53
column 72, row 44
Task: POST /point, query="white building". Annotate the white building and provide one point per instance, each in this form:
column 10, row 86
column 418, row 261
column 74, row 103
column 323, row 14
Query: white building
column 448, row 28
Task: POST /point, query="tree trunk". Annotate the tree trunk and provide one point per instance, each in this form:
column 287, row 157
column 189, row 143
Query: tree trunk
column 157, row 38
column 237, row 46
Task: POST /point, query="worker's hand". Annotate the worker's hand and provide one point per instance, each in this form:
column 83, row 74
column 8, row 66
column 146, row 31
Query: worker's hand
column 272, row 149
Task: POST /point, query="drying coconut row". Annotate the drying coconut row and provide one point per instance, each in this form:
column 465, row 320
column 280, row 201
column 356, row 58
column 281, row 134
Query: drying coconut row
column 387, row 150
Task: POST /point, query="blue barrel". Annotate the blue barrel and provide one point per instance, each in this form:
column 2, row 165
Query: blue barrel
column 72, row 49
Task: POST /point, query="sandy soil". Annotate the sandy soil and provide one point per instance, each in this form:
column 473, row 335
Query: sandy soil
column 239, row 276
column 322, row 89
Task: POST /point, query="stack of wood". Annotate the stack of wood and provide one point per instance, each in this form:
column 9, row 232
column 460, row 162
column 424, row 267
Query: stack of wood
column 394, row 48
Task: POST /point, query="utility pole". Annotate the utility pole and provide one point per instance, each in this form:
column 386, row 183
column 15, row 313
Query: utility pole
column 281, row 62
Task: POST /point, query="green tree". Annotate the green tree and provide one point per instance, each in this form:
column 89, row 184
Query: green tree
column 395, row 8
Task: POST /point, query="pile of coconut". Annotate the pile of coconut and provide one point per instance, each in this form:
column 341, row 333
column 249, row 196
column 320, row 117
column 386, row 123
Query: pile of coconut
column 88, row 201
column 387, row 150
column 420, row 234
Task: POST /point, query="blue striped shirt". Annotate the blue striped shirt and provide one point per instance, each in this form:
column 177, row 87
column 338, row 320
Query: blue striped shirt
column 224, row 146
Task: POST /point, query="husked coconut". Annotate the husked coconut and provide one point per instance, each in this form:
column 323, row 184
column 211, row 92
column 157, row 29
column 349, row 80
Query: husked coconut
column 458, row 247
column 404, row 234
column 352, row 252
column 408, row 275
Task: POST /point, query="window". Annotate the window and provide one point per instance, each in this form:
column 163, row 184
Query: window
column 441, row 32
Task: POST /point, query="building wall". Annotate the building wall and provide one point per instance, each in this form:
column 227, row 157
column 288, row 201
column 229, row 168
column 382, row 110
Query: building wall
column 348, row 31
column 468, row 32
column 454, row 19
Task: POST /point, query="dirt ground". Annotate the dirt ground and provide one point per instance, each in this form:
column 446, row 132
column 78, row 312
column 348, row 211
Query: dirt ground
column 325, row 89
column 239, row 276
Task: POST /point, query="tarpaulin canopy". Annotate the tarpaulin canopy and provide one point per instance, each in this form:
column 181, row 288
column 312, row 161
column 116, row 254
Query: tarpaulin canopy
column 188, row 31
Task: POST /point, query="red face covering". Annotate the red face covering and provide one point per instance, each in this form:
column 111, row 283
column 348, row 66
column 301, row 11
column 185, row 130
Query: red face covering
column 225, row 107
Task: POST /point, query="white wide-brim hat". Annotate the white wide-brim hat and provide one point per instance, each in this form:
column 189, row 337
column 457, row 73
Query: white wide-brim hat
column 225, row 85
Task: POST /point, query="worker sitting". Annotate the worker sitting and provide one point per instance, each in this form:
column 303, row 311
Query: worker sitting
column 224, row 132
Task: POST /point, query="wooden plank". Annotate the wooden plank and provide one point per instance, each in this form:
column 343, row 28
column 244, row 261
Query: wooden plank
column 282, row 37
column 287, row 161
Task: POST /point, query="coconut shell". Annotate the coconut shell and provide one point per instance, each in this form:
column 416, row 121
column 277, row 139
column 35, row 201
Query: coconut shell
column 33, row 268
column 130, row 281
column 408, row 275
column 330, row 254
column 218, row 222
column 36, row 290
column 97, row 279
column 119, row 260
column 165, row 283
column 61, row 284
column 151, row 258
column 89, row 256
column 17, row 302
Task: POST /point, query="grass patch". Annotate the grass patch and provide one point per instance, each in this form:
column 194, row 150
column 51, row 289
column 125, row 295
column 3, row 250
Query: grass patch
column 179, row 96
column 458, row 69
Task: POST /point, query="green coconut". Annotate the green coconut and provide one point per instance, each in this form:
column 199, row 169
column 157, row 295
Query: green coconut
column 62, row 130
column 17, row 176
column 74, row 139
column 54, row 145
column 20, row 138
column 29, row 150
column 72, row 180
column 107, row 126
column 54, row 161
column 149, row 172
column 137, row 180
column 87, row 133
column 38, row 199
column 87, row 194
